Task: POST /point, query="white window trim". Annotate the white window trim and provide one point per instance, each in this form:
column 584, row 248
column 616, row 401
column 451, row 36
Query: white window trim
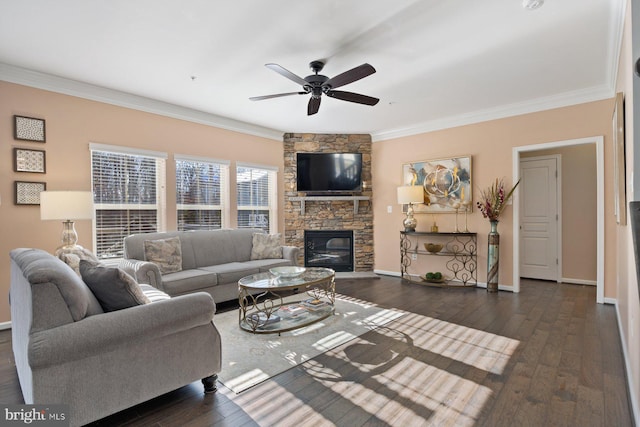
column 161, row 186
column 93, row 146
column 224, row 192
column 273, row 193
column 257, row 166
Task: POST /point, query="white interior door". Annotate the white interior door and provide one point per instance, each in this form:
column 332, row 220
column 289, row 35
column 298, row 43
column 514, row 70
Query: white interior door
column 539, row 218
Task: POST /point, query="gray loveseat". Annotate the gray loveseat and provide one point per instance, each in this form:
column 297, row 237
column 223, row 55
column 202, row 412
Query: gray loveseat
column 211, row 261
column 69, row 351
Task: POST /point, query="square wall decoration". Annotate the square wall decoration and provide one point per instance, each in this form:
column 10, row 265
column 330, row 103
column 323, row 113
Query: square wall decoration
column 25, row 160
column 28, row 129
column 28, row 193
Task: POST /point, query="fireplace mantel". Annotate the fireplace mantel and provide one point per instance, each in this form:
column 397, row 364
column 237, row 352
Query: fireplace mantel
column 304, row 199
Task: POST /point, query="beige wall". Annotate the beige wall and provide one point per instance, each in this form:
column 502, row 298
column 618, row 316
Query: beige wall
column 490, row 145
column 628, row 301
column 579, row 203
column 71, row 123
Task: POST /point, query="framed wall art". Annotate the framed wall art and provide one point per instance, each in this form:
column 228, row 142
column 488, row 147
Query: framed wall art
column 26, row 160
column 446, row 183
column 619, row 174
column 28, row 129
column 28, row 193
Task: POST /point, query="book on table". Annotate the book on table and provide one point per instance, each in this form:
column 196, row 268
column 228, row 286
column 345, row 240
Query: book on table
column 292, row 310
column 262, row 318
column 314, row 304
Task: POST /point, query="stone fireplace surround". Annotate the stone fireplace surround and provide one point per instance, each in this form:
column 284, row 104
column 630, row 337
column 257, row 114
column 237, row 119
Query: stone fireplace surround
column 329, row 214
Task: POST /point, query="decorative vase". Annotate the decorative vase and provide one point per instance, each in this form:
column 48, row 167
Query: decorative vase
column 493, row 258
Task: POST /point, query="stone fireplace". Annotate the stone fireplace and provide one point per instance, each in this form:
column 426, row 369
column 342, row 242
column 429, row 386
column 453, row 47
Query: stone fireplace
column 329, row 213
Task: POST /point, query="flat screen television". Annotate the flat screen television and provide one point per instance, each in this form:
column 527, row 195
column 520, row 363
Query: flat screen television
column 324, row 173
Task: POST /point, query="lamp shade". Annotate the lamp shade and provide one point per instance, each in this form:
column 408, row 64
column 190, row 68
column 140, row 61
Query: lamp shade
column 410, row 194
column 66, row 205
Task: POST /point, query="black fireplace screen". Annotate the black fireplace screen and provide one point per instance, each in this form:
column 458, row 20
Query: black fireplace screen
column 331, row 249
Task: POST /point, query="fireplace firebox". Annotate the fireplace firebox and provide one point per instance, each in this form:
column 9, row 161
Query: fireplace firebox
column 329, row 248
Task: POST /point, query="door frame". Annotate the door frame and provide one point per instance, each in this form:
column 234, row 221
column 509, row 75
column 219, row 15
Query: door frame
column 558, row 239
column 599, row 145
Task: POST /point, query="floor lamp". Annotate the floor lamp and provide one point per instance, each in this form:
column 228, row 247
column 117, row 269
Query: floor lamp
column 67, row 206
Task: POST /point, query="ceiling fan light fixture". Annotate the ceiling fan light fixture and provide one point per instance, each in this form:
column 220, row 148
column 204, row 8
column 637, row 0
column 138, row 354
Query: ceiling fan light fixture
column 532, row 4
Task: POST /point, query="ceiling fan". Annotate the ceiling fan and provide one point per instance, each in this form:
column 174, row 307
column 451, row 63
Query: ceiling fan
column 317, row 84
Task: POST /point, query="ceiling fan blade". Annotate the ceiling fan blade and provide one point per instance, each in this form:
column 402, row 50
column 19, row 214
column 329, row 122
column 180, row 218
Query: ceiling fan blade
column 352, row 97
column 286, row 73
column 314, row 105
column 276, row 95
column 350, row 76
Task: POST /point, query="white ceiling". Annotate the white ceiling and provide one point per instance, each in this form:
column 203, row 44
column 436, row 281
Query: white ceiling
column 439, row 63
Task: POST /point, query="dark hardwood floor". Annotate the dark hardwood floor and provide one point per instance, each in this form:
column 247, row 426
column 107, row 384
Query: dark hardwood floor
column 548, row 356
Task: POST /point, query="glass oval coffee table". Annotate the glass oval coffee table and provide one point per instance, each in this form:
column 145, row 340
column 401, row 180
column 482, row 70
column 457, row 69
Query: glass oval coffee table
column 264, row 310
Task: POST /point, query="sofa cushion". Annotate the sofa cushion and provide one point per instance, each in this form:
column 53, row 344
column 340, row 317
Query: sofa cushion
column 165, row 253
column 40, row 267
column 231, row 272
column 113, row 288
column 186, row 281
column 266, row 246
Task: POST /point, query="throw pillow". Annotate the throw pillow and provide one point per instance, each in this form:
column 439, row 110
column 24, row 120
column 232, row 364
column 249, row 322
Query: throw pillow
column 166, row 253
column 266, row 246
column 113, row 287
column 72, row 257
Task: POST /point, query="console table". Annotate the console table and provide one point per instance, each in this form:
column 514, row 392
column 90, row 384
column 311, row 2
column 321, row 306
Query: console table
column 458, row 257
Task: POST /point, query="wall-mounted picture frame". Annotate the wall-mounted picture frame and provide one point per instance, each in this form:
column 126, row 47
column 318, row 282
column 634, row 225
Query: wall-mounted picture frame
column 27, row 160
column 619, row 174
column 29, row 129
column 446, row 183
column 28, row 193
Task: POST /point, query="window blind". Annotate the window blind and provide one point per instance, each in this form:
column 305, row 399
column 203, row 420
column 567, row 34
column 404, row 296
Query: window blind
column 201, row 193
column 256, row 197
column 128, row 191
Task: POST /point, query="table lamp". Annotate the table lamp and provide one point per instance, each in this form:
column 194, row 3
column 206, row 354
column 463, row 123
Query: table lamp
column 67, row 206
column 410, row 194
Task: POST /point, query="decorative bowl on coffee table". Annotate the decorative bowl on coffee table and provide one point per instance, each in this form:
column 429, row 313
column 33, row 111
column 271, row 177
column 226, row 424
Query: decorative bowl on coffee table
column 287, row 272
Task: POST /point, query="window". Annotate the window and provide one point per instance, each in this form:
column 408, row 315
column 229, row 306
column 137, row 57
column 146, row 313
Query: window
column 201, row 193
column 128, row 193
column 257, row 198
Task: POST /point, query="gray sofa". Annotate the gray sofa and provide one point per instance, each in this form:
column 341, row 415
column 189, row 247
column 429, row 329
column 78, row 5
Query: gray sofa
column 212, row 261
column 69, row 351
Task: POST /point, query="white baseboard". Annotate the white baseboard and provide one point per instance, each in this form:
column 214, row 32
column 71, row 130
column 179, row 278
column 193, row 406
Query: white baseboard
column 387, row 273
column 579, row 281
column 630, row 386
column 5, row 325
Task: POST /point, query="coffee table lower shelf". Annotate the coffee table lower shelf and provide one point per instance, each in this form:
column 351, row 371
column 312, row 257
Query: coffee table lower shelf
column 284, row 318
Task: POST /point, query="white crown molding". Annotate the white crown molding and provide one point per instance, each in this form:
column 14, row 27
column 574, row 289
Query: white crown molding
column 65, row 86
column 26, row 77
column 533, row 106
column 615, row 41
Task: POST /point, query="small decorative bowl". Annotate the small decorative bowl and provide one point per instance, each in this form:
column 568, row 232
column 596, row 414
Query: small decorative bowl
column 287, row 272
column 434, row 248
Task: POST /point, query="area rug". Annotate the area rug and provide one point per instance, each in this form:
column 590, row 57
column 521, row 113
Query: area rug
column 249, row 359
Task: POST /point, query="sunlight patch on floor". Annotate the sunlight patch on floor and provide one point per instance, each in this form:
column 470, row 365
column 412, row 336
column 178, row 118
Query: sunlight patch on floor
column 409, row 372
